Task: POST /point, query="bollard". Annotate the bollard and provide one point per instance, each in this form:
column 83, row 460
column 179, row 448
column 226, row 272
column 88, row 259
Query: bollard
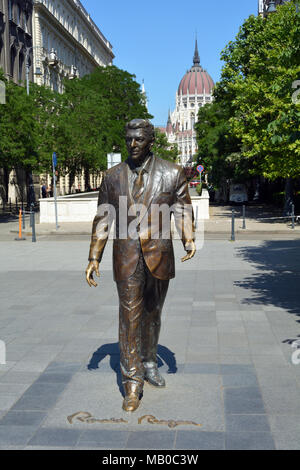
column 20, row 228
column 244, row 217
column 293, row 216
column 232, row 227
column 33, row 226
column 196, row 223
column 23, row 216
column 31, row 216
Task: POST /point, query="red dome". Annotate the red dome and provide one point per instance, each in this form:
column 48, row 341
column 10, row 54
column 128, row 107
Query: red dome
column 196, row 81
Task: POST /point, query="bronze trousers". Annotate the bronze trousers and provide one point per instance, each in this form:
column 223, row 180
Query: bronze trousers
column 141, row 298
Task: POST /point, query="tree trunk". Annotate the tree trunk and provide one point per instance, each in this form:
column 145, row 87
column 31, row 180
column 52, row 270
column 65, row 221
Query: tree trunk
column 87, row 179
column 71, row 180
column 30, row 188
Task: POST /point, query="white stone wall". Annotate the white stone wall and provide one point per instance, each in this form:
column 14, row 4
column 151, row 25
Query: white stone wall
column 64, row 26
column 83, row 209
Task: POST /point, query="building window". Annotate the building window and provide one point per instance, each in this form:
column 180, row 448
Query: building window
column 1, row 47
column 21, row 62
column 10, row 9
column 26, row 23
column 12, row 61
column 18, row 15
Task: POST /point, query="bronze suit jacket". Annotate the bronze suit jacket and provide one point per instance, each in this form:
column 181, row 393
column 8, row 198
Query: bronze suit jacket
column 166, row 188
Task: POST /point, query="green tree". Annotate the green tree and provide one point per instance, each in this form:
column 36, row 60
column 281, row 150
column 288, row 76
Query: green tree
column 252, row 128
column 218, row 150
column 91, row 121
column 48, row 105
column 261, row 66
column 162, row 148
column 82, row 125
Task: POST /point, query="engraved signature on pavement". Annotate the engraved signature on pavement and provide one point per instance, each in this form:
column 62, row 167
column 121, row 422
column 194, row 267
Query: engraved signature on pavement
column 170, row 423
column 86, row 417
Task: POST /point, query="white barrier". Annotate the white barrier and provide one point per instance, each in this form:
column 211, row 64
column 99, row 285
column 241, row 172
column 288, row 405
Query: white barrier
column 81, row 208
column 2, row 353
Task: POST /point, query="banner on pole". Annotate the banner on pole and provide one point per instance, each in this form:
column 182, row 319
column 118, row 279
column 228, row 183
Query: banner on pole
column 54, row 159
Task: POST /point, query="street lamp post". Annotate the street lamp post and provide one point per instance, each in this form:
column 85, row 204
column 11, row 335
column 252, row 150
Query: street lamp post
column 27, row 71
column 271, row 7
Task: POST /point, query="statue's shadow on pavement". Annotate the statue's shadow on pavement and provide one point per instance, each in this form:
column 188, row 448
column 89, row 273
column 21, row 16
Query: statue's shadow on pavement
column 164, row 356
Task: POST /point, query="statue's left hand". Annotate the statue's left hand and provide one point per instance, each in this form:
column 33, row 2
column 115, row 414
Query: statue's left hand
column 190, row 253
column 93, row 266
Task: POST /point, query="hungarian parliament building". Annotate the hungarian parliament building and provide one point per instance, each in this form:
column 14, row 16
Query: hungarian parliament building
column 194, row 91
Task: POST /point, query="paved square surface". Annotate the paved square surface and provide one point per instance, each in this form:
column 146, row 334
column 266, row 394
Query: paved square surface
column 229, row 320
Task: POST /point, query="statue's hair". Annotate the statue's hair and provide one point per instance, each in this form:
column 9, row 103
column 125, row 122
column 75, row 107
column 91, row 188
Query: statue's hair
column 142, row 124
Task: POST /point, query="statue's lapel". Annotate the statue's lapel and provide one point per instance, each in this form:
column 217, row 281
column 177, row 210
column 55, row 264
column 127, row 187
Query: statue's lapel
column 153, row 183
column 124, row 185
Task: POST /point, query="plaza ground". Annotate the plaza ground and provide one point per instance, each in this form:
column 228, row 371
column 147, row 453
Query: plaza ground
column 229, row 320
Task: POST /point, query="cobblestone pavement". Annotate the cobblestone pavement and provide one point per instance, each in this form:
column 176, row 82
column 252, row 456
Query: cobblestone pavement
column 225, row 350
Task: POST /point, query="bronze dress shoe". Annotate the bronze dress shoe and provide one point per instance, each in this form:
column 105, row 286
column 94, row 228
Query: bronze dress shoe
column 132, row 396
column 131, row 402
column 152, row 375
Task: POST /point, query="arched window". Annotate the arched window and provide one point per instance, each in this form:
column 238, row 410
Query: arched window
column 1, row 48
column 10, row 9
column 21, row 62
column 18, row 19
column 192, row 120
column 12, row 60
column 26, row 22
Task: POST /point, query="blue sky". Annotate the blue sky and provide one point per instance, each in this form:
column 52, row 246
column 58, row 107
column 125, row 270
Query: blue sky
column 155, row 40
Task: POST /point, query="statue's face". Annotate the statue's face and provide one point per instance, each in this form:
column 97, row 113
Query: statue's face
column 138, row 143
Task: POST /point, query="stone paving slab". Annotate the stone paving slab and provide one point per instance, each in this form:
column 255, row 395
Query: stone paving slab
column 225, row 350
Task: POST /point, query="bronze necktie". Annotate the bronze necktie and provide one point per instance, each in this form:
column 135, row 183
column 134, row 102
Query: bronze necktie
column 138, row 187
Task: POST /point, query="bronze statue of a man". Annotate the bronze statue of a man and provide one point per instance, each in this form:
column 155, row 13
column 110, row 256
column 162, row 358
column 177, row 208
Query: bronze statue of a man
column 143, row 257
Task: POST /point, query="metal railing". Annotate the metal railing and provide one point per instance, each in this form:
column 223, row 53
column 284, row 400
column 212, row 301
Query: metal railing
column 294, row 219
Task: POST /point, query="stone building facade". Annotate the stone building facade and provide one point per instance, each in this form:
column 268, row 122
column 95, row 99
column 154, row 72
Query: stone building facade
column 57, row 39
column 15, row 38
column 15, row 52
column 67, row 42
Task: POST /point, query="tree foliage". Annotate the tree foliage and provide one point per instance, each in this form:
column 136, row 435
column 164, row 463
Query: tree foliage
column 163, row 149
column 218, row 150
column 82, row 125
column 253, row 125
column 95, row 110
column 18, row 128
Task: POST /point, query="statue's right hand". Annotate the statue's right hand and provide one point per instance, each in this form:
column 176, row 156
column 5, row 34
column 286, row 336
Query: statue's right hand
column 92, row 266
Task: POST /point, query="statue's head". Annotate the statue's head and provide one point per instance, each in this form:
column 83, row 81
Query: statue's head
column 139, row 138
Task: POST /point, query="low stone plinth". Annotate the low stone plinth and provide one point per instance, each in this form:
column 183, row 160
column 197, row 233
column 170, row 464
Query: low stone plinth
column 83, row 207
